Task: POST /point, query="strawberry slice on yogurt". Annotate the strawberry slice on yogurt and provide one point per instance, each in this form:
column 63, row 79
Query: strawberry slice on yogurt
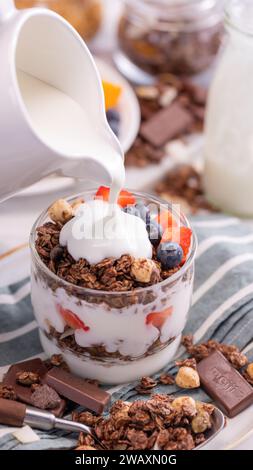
column 158, row 319
column 72, row 320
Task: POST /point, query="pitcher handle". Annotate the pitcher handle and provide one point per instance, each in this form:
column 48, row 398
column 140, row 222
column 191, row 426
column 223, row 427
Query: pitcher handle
column 7, row 8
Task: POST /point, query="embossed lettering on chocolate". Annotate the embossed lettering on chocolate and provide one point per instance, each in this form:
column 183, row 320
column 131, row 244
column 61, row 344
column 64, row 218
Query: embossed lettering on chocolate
column 225, row 384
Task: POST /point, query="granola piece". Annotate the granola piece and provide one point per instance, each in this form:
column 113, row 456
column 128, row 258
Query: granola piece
column 187, row 378
column 56, row 360
column 61, row 211
column 230, row 351
column 249, row 370
column 166, row 379
column 201, row 422
column 199, row 439
column 123, row 264
column 7, row 392
column 86, row 440
column 85, row 417
column 138, row 439
column 191, row 362
column 146, row 385
column 187, row 341
column 208, row 407
column 27, row 378
column 185, row 405
column 179, row 439
column 145, row 271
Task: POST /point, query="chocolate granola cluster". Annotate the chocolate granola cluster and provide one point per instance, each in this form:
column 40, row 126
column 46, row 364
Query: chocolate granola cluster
column 200, row 351
column 118, row 275
column 162, row 422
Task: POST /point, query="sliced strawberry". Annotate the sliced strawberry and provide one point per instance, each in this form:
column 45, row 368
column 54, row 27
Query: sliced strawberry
column 185, row 240
column 125, row 197
column 157, row 319
column 72, row 320
column 166, row 220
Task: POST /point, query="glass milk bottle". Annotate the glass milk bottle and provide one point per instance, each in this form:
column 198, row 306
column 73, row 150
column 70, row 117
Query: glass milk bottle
column 229, row 125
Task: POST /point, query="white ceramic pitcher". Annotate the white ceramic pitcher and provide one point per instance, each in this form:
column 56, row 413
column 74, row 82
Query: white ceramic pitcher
column 42, row 44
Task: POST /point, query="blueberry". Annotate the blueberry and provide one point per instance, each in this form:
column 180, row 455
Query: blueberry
column 155, row 233
column 132, row 211
column 113, row 115
column 144, row 212
column 170, row 254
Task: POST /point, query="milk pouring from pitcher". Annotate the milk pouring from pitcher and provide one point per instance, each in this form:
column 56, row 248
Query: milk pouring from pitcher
column 52, row 116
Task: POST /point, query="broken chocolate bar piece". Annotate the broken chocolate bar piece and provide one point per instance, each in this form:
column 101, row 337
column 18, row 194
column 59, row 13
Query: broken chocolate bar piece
column 77, row 390
column 225, row 384
column 45, row 398
column 166, row 125
column 24, row 393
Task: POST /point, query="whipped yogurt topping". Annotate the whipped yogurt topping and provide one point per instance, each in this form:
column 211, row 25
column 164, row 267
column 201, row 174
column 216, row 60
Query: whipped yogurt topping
column 100, row 230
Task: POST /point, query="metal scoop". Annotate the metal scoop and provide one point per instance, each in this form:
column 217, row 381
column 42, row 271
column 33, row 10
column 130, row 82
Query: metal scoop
column 13, row 413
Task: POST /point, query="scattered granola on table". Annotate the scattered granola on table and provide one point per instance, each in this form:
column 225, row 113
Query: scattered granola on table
column 183, row 185
column 146, row 386
column 231, row 352
column 7, row 392
column 159, row 422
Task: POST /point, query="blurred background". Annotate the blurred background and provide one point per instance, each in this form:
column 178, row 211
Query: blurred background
column 157, row 59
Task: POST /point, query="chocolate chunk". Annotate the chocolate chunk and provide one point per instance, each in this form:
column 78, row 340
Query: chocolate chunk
column 166, row 125
column 77, row 390
column 24, row 393
column 225, row 384
column 45, row 398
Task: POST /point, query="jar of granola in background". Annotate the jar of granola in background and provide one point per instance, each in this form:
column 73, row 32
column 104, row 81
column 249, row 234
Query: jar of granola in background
column 170, row 36
column 84, row 15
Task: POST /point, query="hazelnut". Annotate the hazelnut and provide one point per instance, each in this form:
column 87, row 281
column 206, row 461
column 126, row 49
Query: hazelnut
column 145, row 271
column 76, row 204
column 201, row 422
column 185, row 405
column 61, row 211
column 85, row 448
column 187, row 378
column 250, row 370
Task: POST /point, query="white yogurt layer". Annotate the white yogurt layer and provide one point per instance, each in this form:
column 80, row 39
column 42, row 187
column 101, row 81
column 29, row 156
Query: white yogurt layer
column 125, row 330
column 101, row 230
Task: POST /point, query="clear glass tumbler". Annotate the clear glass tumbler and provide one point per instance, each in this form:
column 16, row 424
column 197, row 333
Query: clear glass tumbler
column 123, row 335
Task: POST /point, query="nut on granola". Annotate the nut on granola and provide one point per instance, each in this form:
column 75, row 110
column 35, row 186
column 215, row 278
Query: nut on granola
column 201, row 422
column 76, row 204
column 187, row 377
column 61, row 211
column 185, row 405
column 145, row 271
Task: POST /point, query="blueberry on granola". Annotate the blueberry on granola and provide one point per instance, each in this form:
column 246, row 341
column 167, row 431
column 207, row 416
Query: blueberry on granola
column 170, row 254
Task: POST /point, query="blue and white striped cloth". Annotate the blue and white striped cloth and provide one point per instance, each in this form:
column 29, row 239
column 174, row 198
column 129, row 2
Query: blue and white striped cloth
column 222, row 308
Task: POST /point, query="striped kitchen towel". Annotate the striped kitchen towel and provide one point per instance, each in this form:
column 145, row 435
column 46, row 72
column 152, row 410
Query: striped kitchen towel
column 222, row 308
